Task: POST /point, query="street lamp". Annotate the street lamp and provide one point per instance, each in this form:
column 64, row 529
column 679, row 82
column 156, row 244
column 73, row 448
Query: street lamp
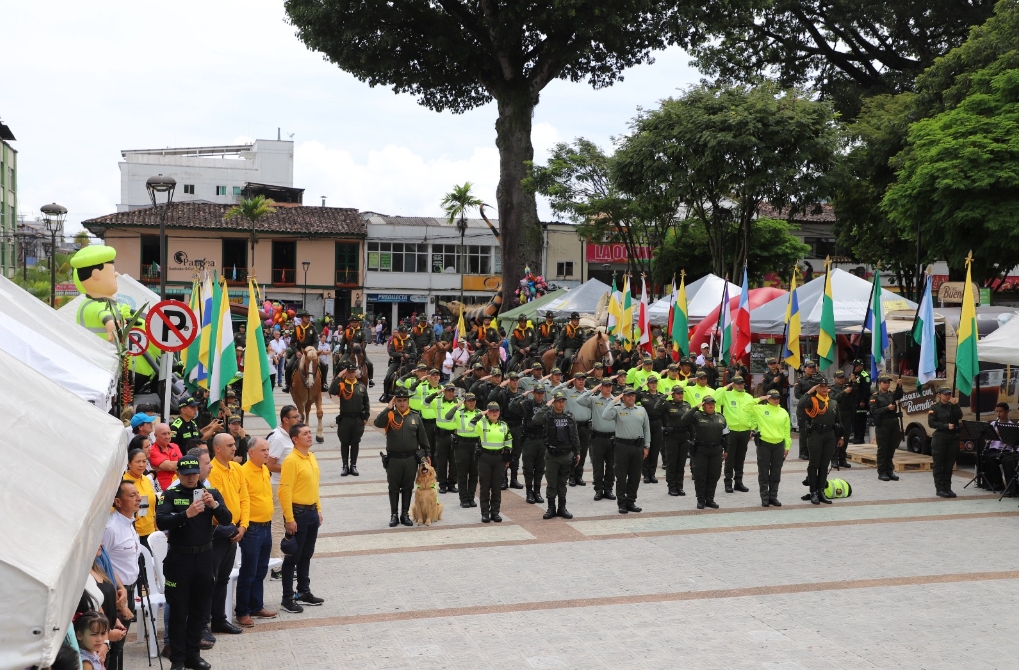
column 54, row 214
column 461, row 227
column 306, row 265
column 154, row 185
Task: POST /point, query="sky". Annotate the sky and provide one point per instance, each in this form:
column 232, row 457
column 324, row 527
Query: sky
column 83, row 81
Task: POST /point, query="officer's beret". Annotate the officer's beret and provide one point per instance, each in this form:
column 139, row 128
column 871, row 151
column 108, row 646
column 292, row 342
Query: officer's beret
column 558, row 395
column 580, row 375
column 494, row 405
column 773, row 393
column 93, row 254
column 738, row 380
column 401, row 393
column 556, row 371
column 944, row 389
column 496, row 371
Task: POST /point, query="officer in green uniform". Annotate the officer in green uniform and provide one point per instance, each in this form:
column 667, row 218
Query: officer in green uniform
column 570, row 340
column 602, row 435
column 355, row 409
column 304, row 336
column 884, row 409
column 562, row 446
column 775, row 430
column 430, row 388
column 808, row 380
column 423, row 335
column 677, row 440
column 818, row 418
column 183, row 429
column 488, row 337
column 696, row 393
column 619, row 383
column 631, row 446
column 406, row 443
column 486, row 386
column 401, row 350
column 496, row 446
column 444, row 405
column 709, row 449
column 654, row 402
column 578, row 404
column 532, row 440
column 535, row 378
column 637, row 377
column 775, row 379
column 945, row 418
column 547, row 333
column 734, row 401
column 844, row 395
column 593, row 380
column 504, row 395
column 861, row 380
column 353, row 335
column 465, row 448
column 411, row 381
column 521, row 343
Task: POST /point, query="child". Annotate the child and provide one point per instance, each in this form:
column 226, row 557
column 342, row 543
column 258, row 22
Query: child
column 90, row 629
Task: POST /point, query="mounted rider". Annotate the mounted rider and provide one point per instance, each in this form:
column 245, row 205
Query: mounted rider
column 570, row 340
column 547, row 333
column 485, row 338
column 422, row 334
column 521, row 343
column 353, row 334
column 401, row 351
column 304, row 336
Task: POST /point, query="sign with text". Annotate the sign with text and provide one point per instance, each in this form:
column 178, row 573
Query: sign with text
column 388, row 297
column 182, row 254
column 950, row 293
column 615, row 253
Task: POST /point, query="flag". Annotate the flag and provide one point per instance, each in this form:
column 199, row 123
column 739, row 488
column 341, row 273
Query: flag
column 923, row 334
column 875, row 323
column 206, row 335
column 235, row 271
column 741, row 338
column 643, row 321
column 189, row 357
column 626, row 322
column 791, row 353
column 461, row 330
column 256, row 392
column 615, row 310
column 827, row 354
column 224, row 367
column 967, row 366
column 725, row 326
column 680, row 320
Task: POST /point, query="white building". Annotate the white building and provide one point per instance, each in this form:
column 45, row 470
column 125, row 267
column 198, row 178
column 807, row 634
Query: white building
column 220, row 174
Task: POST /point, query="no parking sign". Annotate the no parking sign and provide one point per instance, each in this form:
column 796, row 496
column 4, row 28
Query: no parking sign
column 137, row 342
column 171, row 325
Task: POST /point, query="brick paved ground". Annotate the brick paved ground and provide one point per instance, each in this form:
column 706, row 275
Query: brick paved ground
column 891, row 578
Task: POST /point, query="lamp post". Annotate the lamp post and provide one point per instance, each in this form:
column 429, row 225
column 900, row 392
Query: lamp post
column 461, row 227
column 305, row 265
column 154, row 185
column 54, row 215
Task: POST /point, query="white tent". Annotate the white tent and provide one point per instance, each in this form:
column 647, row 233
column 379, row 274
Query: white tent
column 50, row 531
column 130, row 292
column 64, row 352
column 584, row 299
column 1001, row 346
column 702, row 296
column 850, row 296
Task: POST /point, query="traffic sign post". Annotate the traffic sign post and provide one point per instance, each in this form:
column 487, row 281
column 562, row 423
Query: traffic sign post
column 137, row 342
column 171, row 325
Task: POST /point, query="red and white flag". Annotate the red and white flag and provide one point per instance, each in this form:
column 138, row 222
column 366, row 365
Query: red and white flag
column 645, row 322
column 741, row 341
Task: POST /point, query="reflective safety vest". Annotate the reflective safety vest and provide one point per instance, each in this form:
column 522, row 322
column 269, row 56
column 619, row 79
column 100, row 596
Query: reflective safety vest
column 428, row 410
column 444, row 406
column 416, row 399
column 462, row 419
column 494, row 436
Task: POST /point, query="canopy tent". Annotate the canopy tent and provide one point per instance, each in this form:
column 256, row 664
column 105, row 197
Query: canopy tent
column 850, row 296
column 702, row 296
column 50, row 532
column 507, row 320
column 130, row 292
column 1001, row 346
column 64, row 352
column 584, row 299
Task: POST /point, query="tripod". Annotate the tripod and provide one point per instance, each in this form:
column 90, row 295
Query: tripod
column 148, row 616
column 981, row 432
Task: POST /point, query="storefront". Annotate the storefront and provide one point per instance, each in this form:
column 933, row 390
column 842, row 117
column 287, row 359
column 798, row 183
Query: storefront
column 394, row 306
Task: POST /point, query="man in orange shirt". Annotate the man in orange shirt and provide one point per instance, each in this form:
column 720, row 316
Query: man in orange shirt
column 227, row 478
column 257, row 541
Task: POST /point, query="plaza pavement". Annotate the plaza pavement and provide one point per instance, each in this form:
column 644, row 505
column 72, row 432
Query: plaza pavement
column 893, row 577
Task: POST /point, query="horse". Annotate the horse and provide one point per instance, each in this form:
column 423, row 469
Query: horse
column 490, row 357
column 306, row 389
column 358, row 358
column 594, row 349
column 435, row 355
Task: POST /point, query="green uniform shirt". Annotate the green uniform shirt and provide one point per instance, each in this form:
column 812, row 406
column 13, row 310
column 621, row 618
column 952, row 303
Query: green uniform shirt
column 666, row 383
column 462, row 417
column 182, row 431
column 734, row 406
column 408, row 436
column 773, row 423
column 631, row 423
column 520, row 340
column 577, row 402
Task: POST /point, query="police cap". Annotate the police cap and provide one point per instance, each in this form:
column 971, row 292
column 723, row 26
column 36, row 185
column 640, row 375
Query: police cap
column 494, row 406
column 402, row 328
column 606, row 381
column 770, row 359
column 945, row 389
column 234, row 419
column 188, row 401
column 580, row 375
column 421, row 366
column 558, row 395
column 522, row 319
column 708, row 399
column 496, row 371
column 773, row 393
column 629, row 391
column 884, row 378
column 433, row 371
column 673, row 366
column 302, row 312
column 449, row 387
column 549, row 315
column 556, row 371
column 653, row 379
column 401, row 393
column 857, row 362
column 538, row 389
column 620, row 373
column 738, row 380
column 477, row 366
column 647, row 361
column 93, row 254
column 824, row 381
column 470, row 397
column 514, row 375
column 597, row 366
column 188, row 466
column 840, row 373
column 677, row 389
column 538, row 366
column 807, row 363
column 701, row 374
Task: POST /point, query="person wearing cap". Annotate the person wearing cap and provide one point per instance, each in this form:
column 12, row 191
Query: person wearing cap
column 411, row 381
column 547, row 333
column 669, row 379
column 95, row 277
column 535, row 378
column 140, row 424
column 227, row 478
column 562, row 447
column 184, row 429
column 422, row 334
column 444, row 404
column 737, row 370
column 570, row 340
column 505, row 395
column 636, row 377
column 486, row 386
column 429, row 388
column 775, row 379
column 186, row 517
column 486, row 337
column 555, row 378
column 818, row 418
column 304, row 336
column 708, row 428
column 734, row 401
column 355, row 408
column 241, row 439
column 677, row 440
column 884, row 408
column 521, row 343
column 619, row 382
column 578, row 404
column 532, row 440
column 862, row 381
column 496, row 445
column 844, row 395
column 775, row 430
column 632, row 429
column 401, row 351
column 602, row 435
column 594, row 377
column 356, row 339
column 465, row 448
column 808, row 380
column 705, row 354
column 406, row 444
column 696, row 393
column 654, row 402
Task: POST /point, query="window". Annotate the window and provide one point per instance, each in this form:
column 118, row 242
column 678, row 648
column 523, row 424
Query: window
column 397, row 257
column 284, row 262
column 479, row 260
column 564, row 269
column 237, row 190
column 235, row 259
column 189, row 189
column 446, row 258
column 150, row 257
column 221, row 190
column 347, row 256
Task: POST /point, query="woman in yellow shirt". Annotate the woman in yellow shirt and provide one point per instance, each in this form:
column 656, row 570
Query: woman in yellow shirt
column 145, row 521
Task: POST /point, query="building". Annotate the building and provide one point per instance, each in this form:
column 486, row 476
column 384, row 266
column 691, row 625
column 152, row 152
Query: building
column 8, row 201
column 217, row 174
column 304, row 256
column 565, row 257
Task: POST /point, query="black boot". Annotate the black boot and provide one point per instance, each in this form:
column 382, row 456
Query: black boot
column 814, row 500
column 738, row 485
column 597, row 494
column 892, row 476
column 394, row 521
column 700, row 504
column 345, row 471
column 821, row 497
column 728, row 486
column 537, row 494
column 563, row 512
column 530, row 494
column 515, row 483
column 405, row 519
column 550, row 514
column 673, row 491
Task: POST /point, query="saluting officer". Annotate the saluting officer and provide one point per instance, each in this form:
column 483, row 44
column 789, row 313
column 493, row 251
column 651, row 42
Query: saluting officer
column 619, row 383
column 885, row 410
column 505, row 395
column 465, row 448
column 422, row 334
column 445, row 405
column 808, row 380
column 735, row 402
column 521, row 343
column 562, row 445
column 861, row 380
column 548, row 333
column 486, row 386
column 405, row 437
column 844, row 395
column 775, row 379
column 570, row 340
column 496, row 446
column 578, row 403
column 945, row 418
column 186, row 512
column 709, row 449
column 677, row 441
column 602, row 434
column 593, row 380
column 654, row 402
column 532, row 440
column 696, row 393
column 820, row 429
column 632, row 442
column 429, row 389
column 775, row 430
column 534, row 379
column 355, row 408
column 401, row 350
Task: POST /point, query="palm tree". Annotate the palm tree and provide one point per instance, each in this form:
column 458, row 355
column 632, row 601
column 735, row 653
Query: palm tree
column 252, row 209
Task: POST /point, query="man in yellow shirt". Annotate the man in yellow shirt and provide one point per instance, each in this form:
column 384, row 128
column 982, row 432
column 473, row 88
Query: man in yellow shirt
column 257, row 541
column 226, row 478
column 302, row 510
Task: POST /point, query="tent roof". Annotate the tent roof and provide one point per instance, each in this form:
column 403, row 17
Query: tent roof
column 528, row 309
column 130, row 292
column 583, row 299
column 851, row 296
column 46, row 555
column 702, row 296
column 1001, row 346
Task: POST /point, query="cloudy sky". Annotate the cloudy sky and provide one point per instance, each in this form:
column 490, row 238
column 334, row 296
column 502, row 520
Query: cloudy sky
column 86, row 80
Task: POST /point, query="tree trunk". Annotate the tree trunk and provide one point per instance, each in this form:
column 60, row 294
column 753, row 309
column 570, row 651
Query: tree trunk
column 518, row 211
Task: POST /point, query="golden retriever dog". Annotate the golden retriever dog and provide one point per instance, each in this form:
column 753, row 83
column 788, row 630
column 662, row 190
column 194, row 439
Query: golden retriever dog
column 426, row 507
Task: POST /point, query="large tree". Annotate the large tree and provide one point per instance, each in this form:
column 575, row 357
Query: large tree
column 459, row 54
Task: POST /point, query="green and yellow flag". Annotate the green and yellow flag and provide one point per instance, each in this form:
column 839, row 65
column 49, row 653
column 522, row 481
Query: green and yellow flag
column 679, row 323
column 626, row 322
column 967, row 365
column 256, row 393
column 827, row 353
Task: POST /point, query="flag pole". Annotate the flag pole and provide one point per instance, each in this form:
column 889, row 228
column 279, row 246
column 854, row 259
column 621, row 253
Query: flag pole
column 866, row 317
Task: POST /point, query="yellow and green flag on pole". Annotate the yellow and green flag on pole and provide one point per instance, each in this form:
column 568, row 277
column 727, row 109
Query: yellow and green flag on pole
column 967, row 365
column 615, row 310
column 626, row 322
column 256, row 394
column 679, row 321
column 224, row 369
column 791, row 350
column 827, row 353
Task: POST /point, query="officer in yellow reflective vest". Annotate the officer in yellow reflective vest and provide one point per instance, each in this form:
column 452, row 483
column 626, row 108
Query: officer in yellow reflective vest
column 444, row 404
column 772, row 423
column 464, row 448
column 429, row 387
column 733, row 400
column 496, row 447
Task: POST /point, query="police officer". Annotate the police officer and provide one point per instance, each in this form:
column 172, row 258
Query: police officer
column 709, row 449
column 570, row 340
column 466, row 381
column 496, row 445
column 775, row 429
column 355, row 334
column 775, row 379
column 602, row 435
column 654, row 402
column 304, row 336
column 431, row 388
column 808, row 380
column 677, row 440
column 562, row 446
column 844, row 394
column 465, row 448
column 884, row 409
column 735, row 403
column 521, row 343
column 355, row 409
column 487, row 337
column 505, row 395
column 670, row 379
column 696, row 393
column 534, row 378
column 401, row 351
column 945, row 418
column 637, row 377
column 619, row 383
column 861, row 380
column 578, row 404
column 631, row 445
column 818, row 418
column 186, row 512
column 406, row 445
column 593, row 380
column 445, row 405
column 486, row 386
column 547, row 334
column 532, row 440
column 183, row 429
column 423, row 335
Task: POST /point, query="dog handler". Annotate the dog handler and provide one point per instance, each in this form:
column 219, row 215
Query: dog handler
column 405, row 439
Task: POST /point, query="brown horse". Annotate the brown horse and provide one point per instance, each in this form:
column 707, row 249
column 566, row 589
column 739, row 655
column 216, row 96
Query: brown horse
column 306, row 389
column 357, row 357
column 490, row 357
column 434, row 355
column 594, row 349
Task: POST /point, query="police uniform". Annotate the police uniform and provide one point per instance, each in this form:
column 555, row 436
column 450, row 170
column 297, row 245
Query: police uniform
column 505, row 397
column 733, row 404
column 405, row 436
column 401, row 350
column 578, row 403
column 181, row 432
column 426, row 395
column 465, row 451
column 303, row 337
column 776, row 380
column 818, row 418
column 355, row 408
column 707, row 454
column 483, row 340
column 496, row 445
column 188, row 566
column 532, row 442
column 486, row 387
column 633, row 435
column 863, row 394
column 944, row 442
column 547, row 334
column 654, row 403
column 355, row 334
column 444, row 460
column 775, row 438
column 569, row 341
column 803, row 384
column 844, row 395
column 423, row 335
column 522, row 337
column 886, row 428
column 602, row 435
column 562, row 446
column 677, row 443
column 533, row 380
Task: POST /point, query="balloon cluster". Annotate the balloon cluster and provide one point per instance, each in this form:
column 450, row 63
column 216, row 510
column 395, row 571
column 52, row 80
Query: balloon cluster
column 531, row 287
column 278, row 317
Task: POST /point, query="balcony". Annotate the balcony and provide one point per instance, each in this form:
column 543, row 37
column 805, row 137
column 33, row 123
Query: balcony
column 284, row 276
column 240, row 278
column 347, row 277
column 150, row 274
